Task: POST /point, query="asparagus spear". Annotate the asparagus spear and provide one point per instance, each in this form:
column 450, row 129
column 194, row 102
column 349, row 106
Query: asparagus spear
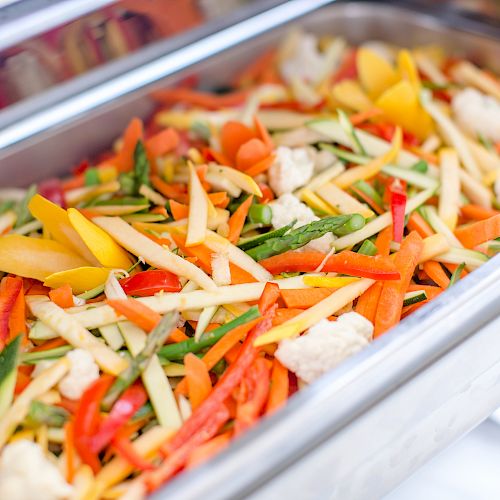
column 44, row 414
column 175, row 352
column 338, row 224
column 138, row 364
column 31, row 358
column 248, row 243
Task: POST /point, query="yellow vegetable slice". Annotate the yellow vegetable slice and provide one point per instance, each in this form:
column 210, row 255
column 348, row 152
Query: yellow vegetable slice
column 243, row 181
column 315, row 202
column 81, row 279
column 198, row 210
column 375, row 73
column 105, row 249
column 408, row 69
column 329, row 281
column 367, row 171
column 350, row 94
column 449, row 199
column 85, row 193
column 35, row 257
column 56, row 221
column 341, row 201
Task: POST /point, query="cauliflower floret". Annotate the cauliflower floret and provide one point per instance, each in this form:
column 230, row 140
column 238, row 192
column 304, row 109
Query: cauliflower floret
column 305, row 63
column 82, row 373
column 25, row 474
column 291, row 169
column 325, row 345
column 477, row 113
column 288, row 208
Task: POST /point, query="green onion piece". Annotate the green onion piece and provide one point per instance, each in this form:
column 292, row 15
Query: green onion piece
column 176, row 352
column 421, row 167
column 260, row 213
column 456, row 274
column 368, row 248
column 31, row 358
column 349, row 129
column 91, row 177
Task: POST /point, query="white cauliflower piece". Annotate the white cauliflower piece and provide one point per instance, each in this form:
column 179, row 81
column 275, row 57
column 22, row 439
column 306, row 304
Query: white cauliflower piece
column 292, row 168
column 477, row 113
column 82, row 373
column 288, row 208
column 325, row 345
column 25, row 474
column 221, row 272
column 305, row 62
column 322, row 159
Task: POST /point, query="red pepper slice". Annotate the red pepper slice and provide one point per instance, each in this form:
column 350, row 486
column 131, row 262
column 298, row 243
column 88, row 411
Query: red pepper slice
column 398, row 205
column 150, row 282
column 269, row 296
column 87, row 419
column 52, row 189
column 126, row 406
column 9, row 290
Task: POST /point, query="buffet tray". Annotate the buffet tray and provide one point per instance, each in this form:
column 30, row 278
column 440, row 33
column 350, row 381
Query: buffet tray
column 360, row 430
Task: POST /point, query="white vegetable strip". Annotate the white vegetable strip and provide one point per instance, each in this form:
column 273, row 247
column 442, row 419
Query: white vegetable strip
column 111, row 334
column 198, row 210
column 151, row 252
column 7, row 220
column 487, row 160
column 381, row 222
column 203, row 321
column 322, row 178
column 243, row 181
column 341, row 201
column 221, row 272
column 474, row 190
column 450, row 187
column 152, row 195
column 311, row 316
column 39, row 386
column 466, row 73
column 154, row 379
column 68, row 327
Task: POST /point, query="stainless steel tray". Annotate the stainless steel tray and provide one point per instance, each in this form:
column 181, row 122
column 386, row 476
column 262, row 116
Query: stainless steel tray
column 359, row 431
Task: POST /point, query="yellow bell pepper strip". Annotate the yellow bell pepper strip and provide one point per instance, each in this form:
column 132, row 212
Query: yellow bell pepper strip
column 362, row 172
column 81, row 279
column 408, row 69
column 349, row 93
column 106, row 250
column 375, row 73
column 35, row 257
column 56, row 221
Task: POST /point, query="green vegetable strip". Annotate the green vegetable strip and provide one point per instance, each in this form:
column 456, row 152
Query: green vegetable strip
column 368, row 190
column 456, row 274
column 260, row 213
column 368, row 248
column 338, row 224
column 131, row 182
column 44, row 414
column 22, row 211
column 91, row 176
column 9, row 358
column 5, row 206
column 176, row 352
column 138, row 364
column 247, row 243
column 31, row 358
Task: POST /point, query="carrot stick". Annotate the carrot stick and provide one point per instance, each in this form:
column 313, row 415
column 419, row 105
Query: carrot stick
column 417, row 223
column 208, row 450
column 285, row 314
column 365, row 115
column 177, row 336
column 69, row 451
column 219, row 199
column 162, row 142
column 278, row 393
column 198, row 380
column 17, row 318
column 135, row 311
column 383, row 241
column 476, row 212
column 237, row 220
column 452, row 268
column 260, row 167
column 262, row 133
column 368, row 301
column 431, row 291
column 73, row 183
column 478, row 232
column 160, row 210
column 370, row 201
column 124, row 160
column 179, row 210
column 232, row 136
column 200, row 99
column 250, row 153
column 171, row 191
column 390, row 304
column 436, row 273
column 49, row 344
column 62, row 296
column 304, row 298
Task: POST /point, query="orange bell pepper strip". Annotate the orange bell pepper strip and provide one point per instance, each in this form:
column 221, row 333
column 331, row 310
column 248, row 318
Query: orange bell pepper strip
column 476, row 212
column 478, row 232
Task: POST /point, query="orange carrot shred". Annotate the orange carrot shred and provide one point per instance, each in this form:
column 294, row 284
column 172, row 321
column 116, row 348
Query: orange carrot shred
column 478, row 232
column 237, row 220
column 278, row 393
column 198, row 380
column 62, row 296
column 436, row 273
column 143, row 316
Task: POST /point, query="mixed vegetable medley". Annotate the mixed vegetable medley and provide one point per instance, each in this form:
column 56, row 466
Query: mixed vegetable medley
column 173, row 291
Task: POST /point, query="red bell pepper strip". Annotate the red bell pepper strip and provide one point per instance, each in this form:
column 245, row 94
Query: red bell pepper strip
column 223, row 389
column 87, row 419
column 52, row 189
column 9, row 290
column 126, row 406
column 269, row 297
column 254, row 391
column 377, row 267
column 150, row 282
column 124, row 447
column 178, row 458
column 398, row 205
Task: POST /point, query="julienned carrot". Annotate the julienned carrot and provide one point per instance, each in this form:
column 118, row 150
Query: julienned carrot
column 370, row 201
column 17, row 317
column 303, row 298
column 251, row 153
column 179, row 210
column 62, row 296
column 49, row 344
column 69, row 451
column 260, row 167
column 278, row 392
column 476, row 212
column 368, row 301
column 269, row 296
column 177, row 336
column 391, row 299
column 200, row 99
column 365, row 115
column 476, row 233
column 135, row 311
column 198, row 380
column 162, row 142
column 285, row 314
column 436, row 273
column 219, row 199
column 378, row 267
column 218, row 156
column 171, row 191
column 417, row 223
column 383, row 241
column 262, row 133
column 208, row 450
column 232, row 136
column 73, row 182
column 237, row 220
column 431, row 291
column 452, row 268
column 124, row 160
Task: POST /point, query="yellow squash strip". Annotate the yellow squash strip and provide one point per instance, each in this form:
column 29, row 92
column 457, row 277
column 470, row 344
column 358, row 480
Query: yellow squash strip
column 408, row 69
column 372, row 168
column 35, row 257
column 105, row 249
column 475, row 190
column 198, row 210
column 350, row 94
column 86, row 193
column 146, row 445
column 38, row 386
column 154, row 254
column 74, row 333
column 311, row 316
column 316, row 203
column 449, row 197
column 118, row 209
column 341, row 201
column 243, row 181
column 81, row 279
column 329, row 281
column 375, row 73
column 487, row 160
column 322, row 178
column 434, row 245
